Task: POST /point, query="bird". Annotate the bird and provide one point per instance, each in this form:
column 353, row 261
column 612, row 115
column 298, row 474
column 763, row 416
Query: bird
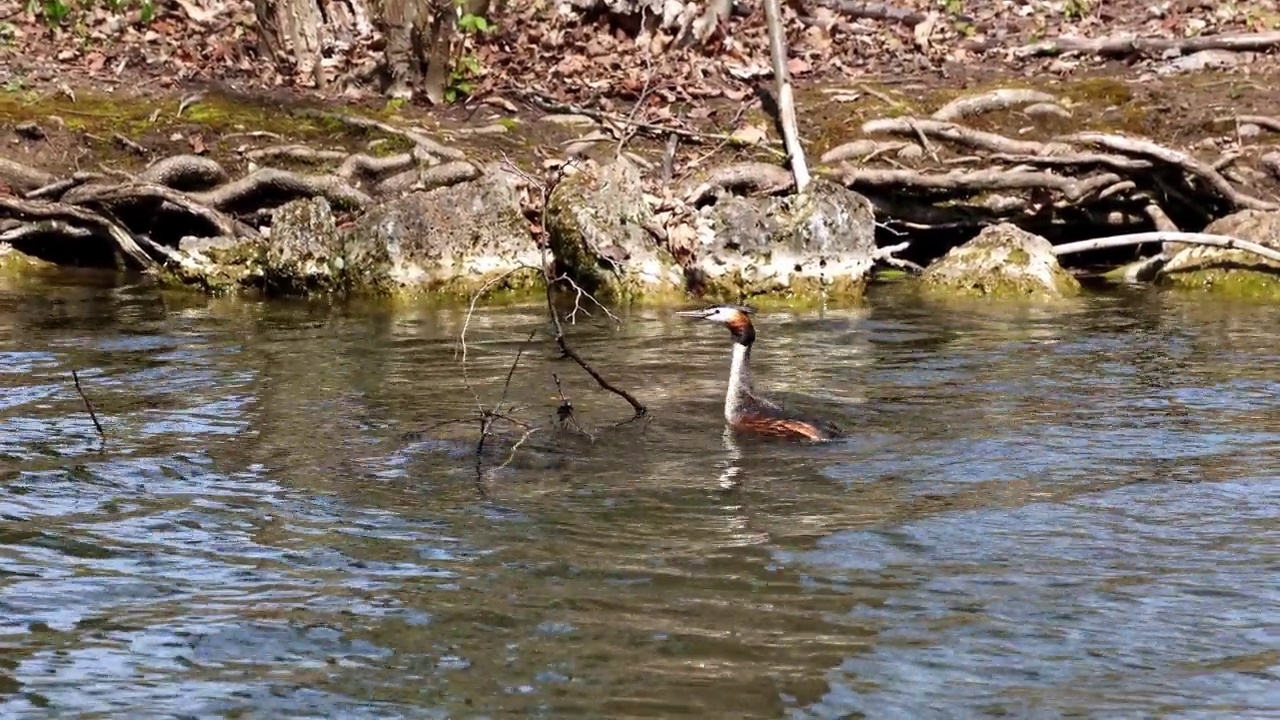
column 744, row 410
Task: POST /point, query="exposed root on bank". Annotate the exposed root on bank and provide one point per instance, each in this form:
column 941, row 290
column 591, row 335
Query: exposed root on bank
column 37, row 212
column 750, row 178
column 1079, row 179
column 1125, row 46
column 418, row 137
column 982, row 103
column 23, row 178
column 146, row 216
column 551, row 105
column 185, row 172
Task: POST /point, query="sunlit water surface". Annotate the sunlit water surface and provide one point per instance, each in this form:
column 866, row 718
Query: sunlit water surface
column 1042, row 513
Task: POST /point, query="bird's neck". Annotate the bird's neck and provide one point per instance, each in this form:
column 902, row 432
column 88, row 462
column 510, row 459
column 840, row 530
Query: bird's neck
column 739, row 380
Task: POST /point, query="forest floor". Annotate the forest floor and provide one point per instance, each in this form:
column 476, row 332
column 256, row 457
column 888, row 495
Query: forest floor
column 922, row 44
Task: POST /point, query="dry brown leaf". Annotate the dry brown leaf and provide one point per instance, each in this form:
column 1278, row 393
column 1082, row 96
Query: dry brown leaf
column 750, row 134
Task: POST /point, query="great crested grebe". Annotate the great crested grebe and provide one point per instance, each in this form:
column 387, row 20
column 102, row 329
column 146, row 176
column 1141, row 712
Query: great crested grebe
column 743, row 409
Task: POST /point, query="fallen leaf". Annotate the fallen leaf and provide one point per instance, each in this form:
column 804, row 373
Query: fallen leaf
column 751, row 134
column 796, row 66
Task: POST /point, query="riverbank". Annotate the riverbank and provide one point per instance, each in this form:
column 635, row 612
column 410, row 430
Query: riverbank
column 1080, row 152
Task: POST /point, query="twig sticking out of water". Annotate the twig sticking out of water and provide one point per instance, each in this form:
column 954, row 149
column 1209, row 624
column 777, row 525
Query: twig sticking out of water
column 487, row 418
column 102, row 434
column 564, row 413
column 549, row 282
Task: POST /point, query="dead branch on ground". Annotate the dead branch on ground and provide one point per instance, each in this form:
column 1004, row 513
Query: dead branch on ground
column 551, row 105
column 786, row 101
column 418, row 137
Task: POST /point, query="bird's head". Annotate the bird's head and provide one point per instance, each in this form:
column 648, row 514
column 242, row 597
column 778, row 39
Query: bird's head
column 737, row 318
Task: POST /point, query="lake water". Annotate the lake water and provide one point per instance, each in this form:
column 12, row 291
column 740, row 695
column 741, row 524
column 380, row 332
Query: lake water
column 1064, row 512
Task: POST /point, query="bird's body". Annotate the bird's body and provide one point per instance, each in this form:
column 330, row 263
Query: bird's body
column 744, row 410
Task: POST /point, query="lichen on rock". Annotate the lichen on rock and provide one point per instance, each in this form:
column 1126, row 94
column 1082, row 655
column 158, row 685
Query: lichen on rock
column 305, row 253
column 452, row 240
column 1234, row 273
column 16, row 262
column 806, row 247
column 1002, row 261
column 596, row 227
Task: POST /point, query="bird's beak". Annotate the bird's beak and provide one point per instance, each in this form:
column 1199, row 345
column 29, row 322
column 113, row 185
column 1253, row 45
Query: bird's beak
column 699, row 314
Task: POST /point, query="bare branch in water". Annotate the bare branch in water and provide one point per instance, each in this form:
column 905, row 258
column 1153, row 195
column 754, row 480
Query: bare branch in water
column 1208, row 239
column 488, row 417
column 89, row 406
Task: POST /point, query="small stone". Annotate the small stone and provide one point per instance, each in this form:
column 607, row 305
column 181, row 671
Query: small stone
column 1046, row 109
column 1248, row 130
column 911, row 153
column 30, row 131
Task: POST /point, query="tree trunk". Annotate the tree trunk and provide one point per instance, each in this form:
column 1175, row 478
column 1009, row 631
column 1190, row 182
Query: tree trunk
column 295, row 33
column 421, row 37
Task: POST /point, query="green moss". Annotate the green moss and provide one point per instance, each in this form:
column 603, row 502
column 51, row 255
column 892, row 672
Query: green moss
column 14, row 263
column 1236, row 283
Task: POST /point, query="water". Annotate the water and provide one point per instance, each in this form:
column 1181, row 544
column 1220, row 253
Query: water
column 1044, row 513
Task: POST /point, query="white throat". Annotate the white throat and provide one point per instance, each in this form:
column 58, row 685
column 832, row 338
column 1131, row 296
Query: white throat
column 739, row 380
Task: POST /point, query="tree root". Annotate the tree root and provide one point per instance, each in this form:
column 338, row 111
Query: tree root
column 368, row 166
column 977, row 181
column 1000, row 99
column 863, row 150
column 1131, row 46
column 303, row 153
column 151, row 194
column 1084, row 177
column 1182, row 160
column 185, row 172
column 23, row 178
column 418, row 138
column 38, row 211
column 958, row 134
column 742, row 178
column 283, row 186
column 54, row 190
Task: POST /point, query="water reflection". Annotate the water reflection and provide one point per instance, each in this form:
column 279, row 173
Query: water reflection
column 1042, row 512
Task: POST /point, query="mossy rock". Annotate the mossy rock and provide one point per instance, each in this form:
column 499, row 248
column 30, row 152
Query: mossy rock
column 216, row 266
column 596, row 221
column 798, row 249
column 304, row 255
column 1226, row 272
column 452, row 240
column 15, row 263
column 1003, row 261
column 448, row 243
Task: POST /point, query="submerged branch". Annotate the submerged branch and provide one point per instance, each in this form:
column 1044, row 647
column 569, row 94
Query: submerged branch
column 102, row 434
